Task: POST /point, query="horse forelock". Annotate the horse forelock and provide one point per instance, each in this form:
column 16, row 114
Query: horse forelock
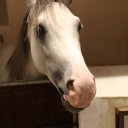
column 39, row 6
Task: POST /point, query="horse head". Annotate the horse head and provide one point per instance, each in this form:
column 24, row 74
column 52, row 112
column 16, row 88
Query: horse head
column 53, row 32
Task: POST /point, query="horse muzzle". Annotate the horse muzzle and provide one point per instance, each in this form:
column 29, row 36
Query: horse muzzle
column 79, row 94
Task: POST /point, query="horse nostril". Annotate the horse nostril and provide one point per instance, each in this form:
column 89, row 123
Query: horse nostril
column 65, row 90
column 69, row 84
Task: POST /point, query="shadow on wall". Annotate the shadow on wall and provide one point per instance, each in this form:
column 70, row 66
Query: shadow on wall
column 105, row 34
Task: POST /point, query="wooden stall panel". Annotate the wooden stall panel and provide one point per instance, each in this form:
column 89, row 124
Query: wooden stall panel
column 33, row 106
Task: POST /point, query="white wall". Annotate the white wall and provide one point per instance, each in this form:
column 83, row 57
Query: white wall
column 101, row 114
column 112, row 92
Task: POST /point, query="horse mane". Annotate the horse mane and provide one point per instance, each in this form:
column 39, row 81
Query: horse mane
column 17, row 61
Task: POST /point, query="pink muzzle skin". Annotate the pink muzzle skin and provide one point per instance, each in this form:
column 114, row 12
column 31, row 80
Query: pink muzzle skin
column 79, row 96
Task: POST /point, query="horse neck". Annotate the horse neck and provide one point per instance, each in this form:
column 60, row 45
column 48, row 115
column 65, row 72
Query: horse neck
column 31, row 73
column 20, row 65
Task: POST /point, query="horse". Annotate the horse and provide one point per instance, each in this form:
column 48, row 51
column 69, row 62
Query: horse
column 49, row 45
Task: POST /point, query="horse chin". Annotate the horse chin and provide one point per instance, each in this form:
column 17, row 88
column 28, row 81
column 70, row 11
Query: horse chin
column 69, row 108
column 66, row 104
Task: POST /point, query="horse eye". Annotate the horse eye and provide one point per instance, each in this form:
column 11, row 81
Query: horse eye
column 40, row 31
column 79, row 26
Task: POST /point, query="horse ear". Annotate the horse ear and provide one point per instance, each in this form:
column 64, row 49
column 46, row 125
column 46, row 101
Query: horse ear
column 30, row 3
column 67, row 1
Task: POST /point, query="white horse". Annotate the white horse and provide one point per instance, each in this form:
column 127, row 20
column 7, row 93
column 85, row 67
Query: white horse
column 49, row 45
